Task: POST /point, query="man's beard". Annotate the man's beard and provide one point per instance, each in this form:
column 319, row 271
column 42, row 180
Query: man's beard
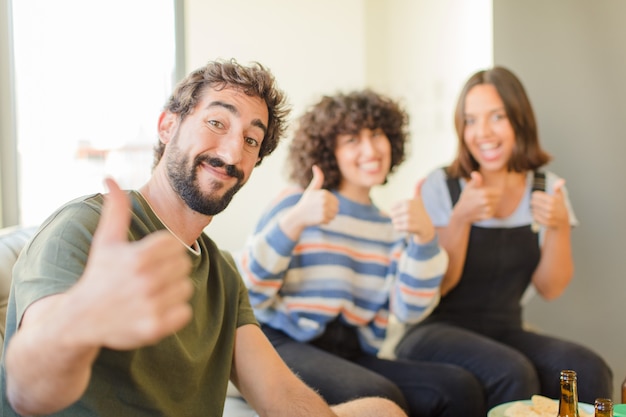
column 183, row 177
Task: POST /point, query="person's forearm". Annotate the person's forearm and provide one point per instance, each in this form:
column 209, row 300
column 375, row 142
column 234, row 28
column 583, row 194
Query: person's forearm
column 556, row 267
column 305, row 403
column 418, row 282
column 41, row 351
column 454, row 239
column 292, row 225
column 369, row 407
column 48, row 360
column 294, row 399
column 264, row 262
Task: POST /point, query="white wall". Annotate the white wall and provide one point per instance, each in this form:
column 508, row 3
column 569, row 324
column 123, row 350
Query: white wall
column 312, row 47
column 418, row 51
column 421, row 52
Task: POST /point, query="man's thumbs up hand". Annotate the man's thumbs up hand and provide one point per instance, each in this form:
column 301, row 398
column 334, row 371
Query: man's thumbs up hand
column 132, row 293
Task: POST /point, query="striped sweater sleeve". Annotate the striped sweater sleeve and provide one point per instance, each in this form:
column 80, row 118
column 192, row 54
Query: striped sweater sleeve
column 265, row 258
column 420, row 270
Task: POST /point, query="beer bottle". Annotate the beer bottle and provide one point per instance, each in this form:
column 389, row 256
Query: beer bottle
column 568, row 401
column 603, row 407
column 624, row 392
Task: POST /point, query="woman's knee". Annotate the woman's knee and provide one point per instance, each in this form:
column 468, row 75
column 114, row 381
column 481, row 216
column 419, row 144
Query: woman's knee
column 515, row 373
column 458, row 391
column 349, row 381
column 421, row 342
column 595, row 378
column 458, row 383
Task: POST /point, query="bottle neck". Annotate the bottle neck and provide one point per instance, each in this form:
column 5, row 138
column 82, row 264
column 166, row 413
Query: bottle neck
column 603, row 407
column 568, row 402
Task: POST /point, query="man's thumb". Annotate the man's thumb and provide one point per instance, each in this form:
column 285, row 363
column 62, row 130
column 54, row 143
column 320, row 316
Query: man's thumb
column 115, row 218
column 318, row 179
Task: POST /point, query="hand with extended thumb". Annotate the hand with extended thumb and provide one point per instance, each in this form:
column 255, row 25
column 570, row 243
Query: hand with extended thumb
column 133, row 293
column 477, row 201
column 557, row 188
column 317, row 181
column 476, row 180
column 550, row 210
column 115, row 218
column 411, row 216
column 417, row 191
column 316, row 206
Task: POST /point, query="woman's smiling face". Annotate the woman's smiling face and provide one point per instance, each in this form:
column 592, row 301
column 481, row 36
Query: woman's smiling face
column 488, row 133
column 364, row 160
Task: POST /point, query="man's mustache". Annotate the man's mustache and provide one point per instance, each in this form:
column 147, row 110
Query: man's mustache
column 231, row 170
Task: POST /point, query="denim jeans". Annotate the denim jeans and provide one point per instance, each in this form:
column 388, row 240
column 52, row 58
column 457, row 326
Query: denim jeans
column 423, row 389
column 510, row 362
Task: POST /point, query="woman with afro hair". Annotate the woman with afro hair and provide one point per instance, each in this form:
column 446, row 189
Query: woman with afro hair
column 327, row 271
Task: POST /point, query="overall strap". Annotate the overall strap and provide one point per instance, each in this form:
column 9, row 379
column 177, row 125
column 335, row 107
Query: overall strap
column 539, row 181
column 454, row 187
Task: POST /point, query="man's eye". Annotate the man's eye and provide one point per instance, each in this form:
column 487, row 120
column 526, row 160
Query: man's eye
column 216, row 123
column 469, row 121
column 252, row 142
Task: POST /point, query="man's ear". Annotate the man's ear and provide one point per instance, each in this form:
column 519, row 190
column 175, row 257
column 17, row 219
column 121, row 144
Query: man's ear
column 168, row 123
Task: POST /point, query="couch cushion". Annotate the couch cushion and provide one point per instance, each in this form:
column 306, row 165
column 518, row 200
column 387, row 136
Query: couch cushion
column 12, row 240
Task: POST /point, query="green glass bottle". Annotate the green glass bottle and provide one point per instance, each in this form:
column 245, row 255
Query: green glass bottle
column 568, row 401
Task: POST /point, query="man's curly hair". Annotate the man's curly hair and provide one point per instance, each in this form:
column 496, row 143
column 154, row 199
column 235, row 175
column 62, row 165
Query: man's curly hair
column 315, row 138
column 254, row 80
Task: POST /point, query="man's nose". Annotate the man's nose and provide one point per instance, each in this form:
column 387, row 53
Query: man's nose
column 230, row 148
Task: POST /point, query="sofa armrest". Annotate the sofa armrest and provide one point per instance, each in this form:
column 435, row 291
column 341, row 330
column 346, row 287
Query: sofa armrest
column 12, row 240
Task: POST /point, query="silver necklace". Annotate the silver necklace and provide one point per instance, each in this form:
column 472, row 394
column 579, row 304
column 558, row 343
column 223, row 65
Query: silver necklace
column 195, row 248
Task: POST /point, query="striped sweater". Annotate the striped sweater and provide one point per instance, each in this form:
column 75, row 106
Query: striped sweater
column 357, row 268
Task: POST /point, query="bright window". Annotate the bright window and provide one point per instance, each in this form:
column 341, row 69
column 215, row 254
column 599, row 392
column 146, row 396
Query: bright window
column 90, row 80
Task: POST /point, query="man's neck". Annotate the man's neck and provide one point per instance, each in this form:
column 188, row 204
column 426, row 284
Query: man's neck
column 185, row 223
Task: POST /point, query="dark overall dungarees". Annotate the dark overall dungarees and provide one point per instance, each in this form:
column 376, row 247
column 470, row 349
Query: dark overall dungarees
column 478, row 324
column 498, row 267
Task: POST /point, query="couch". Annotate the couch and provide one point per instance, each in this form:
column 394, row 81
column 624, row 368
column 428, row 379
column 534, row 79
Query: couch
column 12, row 240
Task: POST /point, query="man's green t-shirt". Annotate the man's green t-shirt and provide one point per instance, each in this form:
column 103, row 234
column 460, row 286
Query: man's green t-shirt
column 185, row 374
